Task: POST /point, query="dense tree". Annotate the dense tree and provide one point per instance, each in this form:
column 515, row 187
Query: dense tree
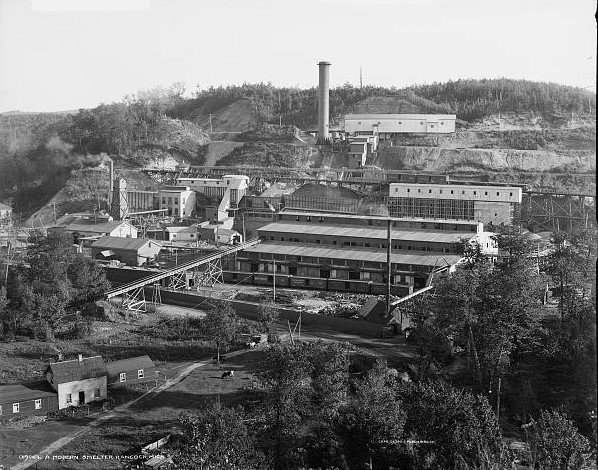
column 372, row 424
column 286, row 400
column 88, row 277
column 221, row 323
column 216, row 438
column 452, row 428
column 268, row 316
column 557, row 445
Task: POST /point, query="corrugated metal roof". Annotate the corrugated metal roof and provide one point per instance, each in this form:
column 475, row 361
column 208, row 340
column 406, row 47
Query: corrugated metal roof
column 82, row 225
column 70, row 371
column 357, row 254
column 141, row 362
column 120, row 243
column 28, row 391
column 365, row 232
column 353, row 117
column 315, row 213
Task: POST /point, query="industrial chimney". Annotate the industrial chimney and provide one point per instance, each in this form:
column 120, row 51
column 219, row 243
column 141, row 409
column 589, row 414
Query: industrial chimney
column 323, row 103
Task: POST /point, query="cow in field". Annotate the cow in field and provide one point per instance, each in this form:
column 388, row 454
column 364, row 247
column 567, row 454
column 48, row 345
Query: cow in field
column 228, row 374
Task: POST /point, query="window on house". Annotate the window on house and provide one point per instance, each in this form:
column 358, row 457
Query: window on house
column 419, row 190
column 140, row 374
column 69, row 398
column 408, row 190
column 163, row 200
column 421, row 123
column 429, row 191
column 176, row 200
column 511, row 194
column 452, row 192
column 474, row 193
column 308, row 218
column 38, row 404
column 462, row 192
column 321, row 219
column 442, row 123
column 97, row 393
column 123, row 377
column 485, row 193
column 15, row 407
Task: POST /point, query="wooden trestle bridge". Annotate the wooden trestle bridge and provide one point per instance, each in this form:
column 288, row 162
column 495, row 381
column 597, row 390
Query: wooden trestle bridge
column 206, row 271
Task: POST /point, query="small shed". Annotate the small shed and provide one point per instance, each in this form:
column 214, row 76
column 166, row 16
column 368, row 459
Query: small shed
column 131, row 371
column 131, row 251
column 27, row 399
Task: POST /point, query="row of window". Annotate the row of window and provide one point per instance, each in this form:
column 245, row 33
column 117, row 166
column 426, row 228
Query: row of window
column 123, row 375
column 176, row 200
column 349, row 244
column 97, row 393
column 421, row 123
column 16, row 407
column 433, row 209
column 392, row 203
column 452, row 192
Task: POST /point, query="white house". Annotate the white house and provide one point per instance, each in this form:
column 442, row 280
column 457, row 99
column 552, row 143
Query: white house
column 79, row 381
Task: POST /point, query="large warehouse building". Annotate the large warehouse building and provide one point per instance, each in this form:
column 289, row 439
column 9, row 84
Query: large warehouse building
column 349, row 252
column 388, row 125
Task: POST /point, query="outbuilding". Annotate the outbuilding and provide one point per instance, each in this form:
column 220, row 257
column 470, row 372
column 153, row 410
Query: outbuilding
column 27, row 399
column 131, row 251
column 131, row 371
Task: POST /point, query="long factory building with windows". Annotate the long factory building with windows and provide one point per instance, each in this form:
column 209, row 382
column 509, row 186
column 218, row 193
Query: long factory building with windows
column 349, row 252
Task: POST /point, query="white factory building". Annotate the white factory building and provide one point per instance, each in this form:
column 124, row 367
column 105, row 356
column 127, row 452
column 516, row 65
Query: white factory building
column 484, row 203
column 387, row 125
column 217, row 187
column 178, row 201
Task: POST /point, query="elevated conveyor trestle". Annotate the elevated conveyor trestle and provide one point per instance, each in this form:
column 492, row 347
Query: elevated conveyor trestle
column 133, row 293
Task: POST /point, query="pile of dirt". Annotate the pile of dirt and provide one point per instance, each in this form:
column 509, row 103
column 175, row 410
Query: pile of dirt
column 24, row 423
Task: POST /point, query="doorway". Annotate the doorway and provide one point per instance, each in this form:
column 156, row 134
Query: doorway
column 81, row 398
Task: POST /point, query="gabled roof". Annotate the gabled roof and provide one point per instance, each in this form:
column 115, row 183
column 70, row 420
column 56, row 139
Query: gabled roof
column 28, row 391
column 120, row 243
column 85, row 225
column 71, row 371
column 133, row 363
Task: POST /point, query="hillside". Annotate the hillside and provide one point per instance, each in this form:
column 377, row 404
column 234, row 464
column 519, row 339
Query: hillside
column 509, row 130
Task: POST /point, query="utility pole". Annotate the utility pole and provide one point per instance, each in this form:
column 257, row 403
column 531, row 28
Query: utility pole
column 211, row 124
column 498, row 400
column 388, row 266
column 243, row 219
column 274, row 278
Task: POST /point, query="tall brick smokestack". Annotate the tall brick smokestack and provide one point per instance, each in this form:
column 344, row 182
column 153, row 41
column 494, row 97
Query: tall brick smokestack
column 323, row 102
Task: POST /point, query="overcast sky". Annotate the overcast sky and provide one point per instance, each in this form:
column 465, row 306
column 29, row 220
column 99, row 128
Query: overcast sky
column 68, row 54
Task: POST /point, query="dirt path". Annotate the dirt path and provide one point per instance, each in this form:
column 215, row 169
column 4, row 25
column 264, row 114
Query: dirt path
column 60, row 443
